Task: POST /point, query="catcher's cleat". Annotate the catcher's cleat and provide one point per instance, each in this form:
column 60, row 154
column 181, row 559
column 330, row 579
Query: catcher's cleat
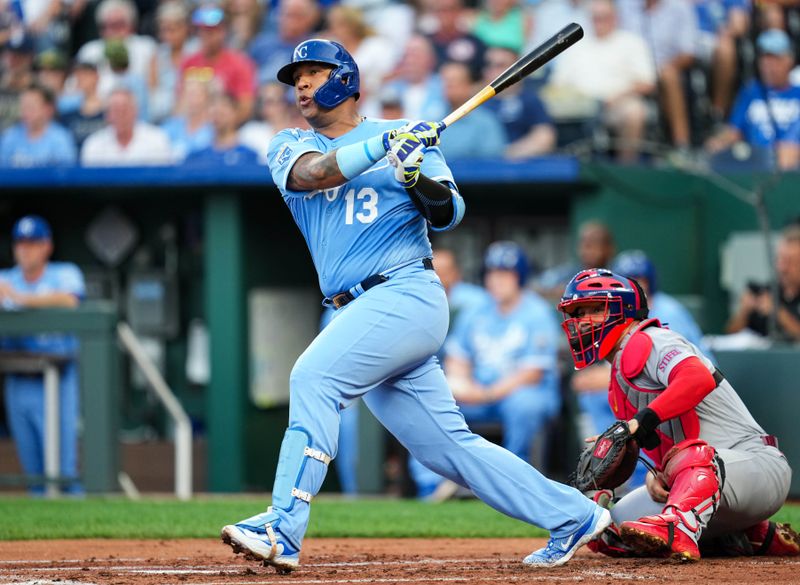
column 610, row 543
column 559, row 550
column 659, row 536
column 263, row 545
column 773, row 539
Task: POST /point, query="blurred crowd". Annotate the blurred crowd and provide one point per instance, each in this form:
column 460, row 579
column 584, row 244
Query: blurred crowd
column 162, row 82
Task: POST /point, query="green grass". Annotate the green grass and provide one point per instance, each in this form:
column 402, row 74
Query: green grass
column 23, row 518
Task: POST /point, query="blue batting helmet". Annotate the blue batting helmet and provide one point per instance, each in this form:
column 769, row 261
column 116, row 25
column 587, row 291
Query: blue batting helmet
column 505, row 255
column 636, row 264
column 343, row 81
column 592, row 336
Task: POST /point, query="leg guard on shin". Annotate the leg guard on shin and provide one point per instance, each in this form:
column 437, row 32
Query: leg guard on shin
column 694, row 475
column 259, row 536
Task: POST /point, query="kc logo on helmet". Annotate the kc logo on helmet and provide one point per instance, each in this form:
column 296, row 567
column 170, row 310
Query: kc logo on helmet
column 301, row 52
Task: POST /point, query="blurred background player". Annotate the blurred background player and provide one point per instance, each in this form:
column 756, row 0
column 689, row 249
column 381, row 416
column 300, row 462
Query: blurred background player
column 464, row 300
column 35, row 282
column 718, row 473
column 501, row 362
column 595, row 247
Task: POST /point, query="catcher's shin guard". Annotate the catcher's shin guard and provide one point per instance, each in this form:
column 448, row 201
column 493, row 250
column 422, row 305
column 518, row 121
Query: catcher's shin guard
column 694, row 476
column 773, row 539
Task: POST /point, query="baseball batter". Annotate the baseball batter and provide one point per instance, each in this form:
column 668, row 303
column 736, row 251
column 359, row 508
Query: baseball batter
column 363, row 195
column 719, row 474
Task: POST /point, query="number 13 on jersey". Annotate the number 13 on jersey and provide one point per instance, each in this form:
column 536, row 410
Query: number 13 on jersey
column 367, row 202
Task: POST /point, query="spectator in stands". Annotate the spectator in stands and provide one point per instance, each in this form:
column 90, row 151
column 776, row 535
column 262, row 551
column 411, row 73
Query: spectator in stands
column 175, row 45
column 33, row 283
column 233, row 71
column 765, row 110
column 345, row 24
column 479, row 135
column 37, row 141
column 122, row 76
column 276, row 112
column 595, row 249
column 51, row 67
column 549, row 16
column 16, row 75
column 670, row 29
column 190, row 129
column 451, row 37
column 126, row 141
column 117, row 22
column 529, row 130
column 501, row 364
column 246, row 18
column 614, row 67
column 297, row 21
column 416, row 80
column 756, row 302
column 86, row 111
column 391, row 104
column 464, row 299
column 721, row 24
column 226, row 149
column 503, row 23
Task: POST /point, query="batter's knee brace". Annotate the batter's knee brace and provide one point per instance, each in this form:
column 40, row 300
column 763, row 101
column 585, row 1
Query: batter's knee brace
column 694, row 475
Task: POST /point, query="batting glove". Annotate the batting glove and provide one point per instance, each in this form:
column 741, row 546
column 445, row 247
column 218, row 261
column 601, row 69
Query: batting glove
column 427, row 132
column 406, row 157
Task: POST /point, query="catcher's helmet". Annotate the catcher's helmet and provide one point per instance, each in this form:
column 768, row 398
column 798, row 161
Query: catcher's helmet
column 343, row 81
column 636, row 264
column 505, row 255
column 592, row 338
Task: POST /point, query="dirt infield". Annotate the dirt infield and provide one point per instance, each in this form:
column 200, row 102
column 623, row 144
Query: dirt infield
column 344, row 561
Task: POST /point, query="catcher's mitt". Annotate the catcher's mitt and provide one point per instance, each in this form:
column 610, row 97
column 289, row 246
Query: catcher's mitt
column 609, row 462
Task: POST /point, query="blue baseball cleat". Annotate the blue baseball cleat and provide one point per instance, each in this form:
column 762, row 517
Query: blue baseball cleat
column 258, row 541
column 559, row 550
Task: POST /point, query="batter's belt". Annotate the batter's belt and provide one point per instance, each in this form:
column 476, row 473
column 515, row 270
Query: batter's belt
column 339, row 300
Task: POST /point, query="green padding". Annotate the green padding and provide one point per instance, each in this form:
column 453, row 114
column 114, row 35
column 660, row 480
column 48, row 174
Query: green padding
column 291, row 462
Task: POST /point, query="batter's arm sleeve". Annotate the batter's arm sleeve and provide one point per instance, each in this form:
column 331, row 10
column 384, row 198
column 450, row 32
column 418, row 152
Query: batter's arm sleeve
column 449, row 204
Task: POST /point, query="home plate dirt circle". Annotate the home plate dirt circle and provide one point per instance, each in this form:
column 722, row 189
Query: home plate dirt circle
column 356, row 560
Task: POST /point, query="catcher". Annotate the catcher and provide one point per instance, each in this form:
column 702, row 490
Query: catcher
column 718, row 478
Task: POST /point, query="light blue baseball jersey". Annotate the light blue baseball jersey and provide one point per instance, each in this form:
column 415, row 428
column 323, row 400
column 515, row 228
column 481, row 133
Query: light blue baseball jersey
column 57, row 277
column 366, row 226
column 497, row 345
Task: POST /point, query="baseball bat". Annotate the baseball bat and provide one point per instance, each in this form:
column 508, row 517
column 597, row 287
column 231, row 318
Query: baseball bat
column 555, row 45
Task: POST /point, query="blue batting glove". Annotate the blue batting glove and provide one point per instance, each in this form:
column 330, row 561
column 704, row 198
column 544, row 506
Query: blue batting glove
column 406, row 157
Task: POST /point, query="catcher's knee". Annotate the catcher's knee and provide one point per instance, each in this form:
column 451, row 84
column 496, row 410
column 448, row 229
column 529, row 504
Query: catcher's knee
column 688, row 454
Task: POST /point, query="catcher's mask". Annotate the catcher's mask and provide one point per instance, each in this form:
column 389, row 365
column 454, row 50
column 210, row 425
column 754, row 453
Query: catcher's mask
column 615, row 300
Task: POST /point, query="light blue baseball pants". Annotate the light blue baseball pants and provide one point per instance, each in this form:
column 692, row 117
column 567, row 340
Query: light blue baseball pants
column 381, row 348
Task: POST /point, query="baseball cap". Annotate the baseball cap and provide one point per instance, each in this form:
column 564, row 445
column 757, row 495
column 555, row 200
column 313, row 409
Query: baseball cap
column 52, row 60
column 208, row 16
column 774, row 41
column 21, row 44
column 31, row 227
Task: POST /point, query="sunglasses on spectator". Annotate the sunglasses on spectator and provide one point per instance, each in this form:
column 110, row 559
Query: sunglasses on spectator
column 114, row 24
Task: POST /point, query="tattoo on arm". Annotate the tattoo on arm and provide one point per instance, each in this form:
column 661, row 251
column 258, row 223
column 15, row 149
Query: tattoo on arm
column 315, row 171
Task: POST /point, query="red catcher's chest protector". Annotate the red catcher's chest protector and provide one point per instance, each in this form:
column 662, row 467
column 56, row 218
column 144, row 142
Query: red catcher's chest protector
column 626, row 398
